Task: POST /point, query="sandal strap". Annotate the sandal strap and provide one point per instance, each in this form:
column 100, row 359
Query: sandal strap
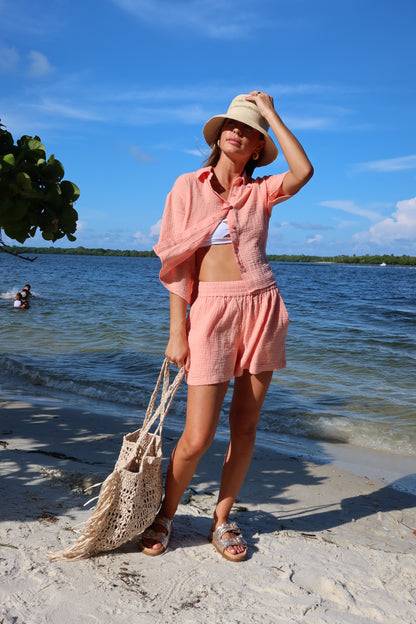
column 231, row 541
column 231, row 527
column 223, row 544
column 157, row 536
column 163, row 521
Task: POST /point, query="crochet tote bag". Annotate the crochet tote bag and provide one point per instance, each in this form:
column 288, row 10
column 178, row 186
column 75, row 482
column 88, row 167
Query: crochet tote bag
column 131, row 495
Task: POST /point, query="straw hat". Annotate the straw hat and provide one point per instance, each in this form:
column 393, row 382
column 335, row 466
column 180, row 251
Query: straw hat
column 247, row 112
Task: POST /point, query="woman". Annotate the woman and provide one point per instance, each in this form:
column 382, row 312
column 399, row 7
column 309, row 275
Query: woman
column 213, row 251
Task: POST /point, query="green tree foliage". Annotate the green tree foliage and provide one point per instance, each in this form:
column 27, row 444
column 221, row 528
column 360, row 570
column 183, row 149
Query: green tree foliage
column 33, row 193
column 133, row 253
column 342, row 259
column 83, row 251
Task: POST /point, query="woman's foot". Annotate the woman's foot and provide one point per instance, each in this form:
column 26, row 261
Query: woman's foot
column 155, row 539
column 228, row 540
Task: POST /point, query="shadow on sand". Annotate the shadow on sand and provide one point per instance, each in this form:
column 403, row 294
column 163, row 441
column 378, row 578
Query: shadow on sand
column 37, row 440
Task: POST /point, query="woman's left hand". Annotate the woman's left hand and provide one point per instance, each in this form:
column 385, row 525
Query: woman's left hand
column 263, row 101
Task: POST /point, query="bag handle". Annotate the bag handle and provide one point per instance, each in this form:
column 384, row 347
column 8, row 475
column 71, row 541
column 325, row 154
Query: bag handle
column 167, row 396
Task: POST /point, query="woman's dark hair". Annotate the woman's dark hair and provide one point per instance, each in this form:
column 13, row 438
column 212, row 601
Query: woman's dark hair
column 214, row 157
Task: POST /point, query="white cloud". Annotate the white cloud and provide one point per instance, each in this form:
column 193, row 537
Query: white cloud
column 148, row 239
column 390, row 164
column 82, row 226
column 155, row 229
column 9, row 58
column 316, row 239
column 140, row 156
column 57, row 108
column 309, row 123
column 140, row 237
column 349, row 206
column 196, row 152
column 401, row 226
column 237, row 20
column 196, row 103
column 20, row 19
column 190, row 104
column 39, row 65
column 307, row 225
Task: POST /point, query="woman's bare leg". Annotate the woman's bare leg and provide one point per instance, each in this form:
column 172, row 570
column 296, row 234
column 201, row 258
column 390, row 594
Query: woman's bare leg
column 248, row 397
column 203, row 410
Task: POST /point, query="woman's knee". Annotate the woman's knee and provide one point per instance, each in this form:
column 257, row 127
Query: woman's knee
column 193, row 447
column 243, row 428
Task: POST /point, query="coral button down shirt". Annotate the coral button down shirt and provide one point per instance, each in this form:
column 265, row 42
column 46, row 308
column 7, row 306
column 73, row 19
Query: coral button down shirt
column 194, row 210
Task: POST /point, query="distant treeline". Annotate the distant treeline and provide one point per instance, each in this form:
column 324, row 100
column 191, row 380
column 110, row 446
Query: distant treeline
column 367, row 259
column 81, row 251
column 341, row 259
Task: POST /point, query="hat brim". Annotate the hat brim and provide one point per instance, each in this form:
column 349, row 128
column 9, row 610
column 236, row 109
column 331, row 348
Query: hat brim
column 212, row 129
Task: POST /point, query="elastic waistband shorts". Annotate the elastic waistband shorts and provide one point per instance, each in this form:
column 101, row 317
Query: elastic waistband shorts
column 231, row 330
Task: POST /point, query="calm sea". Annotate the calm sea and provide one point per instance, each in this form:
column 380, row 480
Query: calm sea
column 98, row 326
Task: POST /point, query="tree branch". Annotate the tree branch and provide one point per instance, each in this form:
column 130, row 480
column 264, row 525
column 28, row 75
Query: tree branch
column 12, row 253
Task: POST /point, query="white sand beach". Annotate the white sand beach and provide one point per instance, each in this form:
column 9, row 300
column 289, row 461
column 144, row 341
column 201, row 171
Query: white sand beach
column 326, row 545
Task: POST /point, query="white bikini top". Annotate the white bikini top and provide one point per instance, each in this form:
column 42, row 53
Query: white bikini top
column 220, row 236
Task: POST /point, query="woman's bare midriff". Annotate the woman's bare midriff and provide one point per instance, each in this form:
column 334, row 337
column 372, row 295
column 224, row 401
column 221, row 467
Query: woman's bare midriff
column 217, row 263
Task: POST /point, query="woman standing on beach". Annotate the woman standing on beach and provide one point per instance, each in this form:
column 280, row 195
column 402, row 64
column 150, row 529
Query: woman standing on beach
column 212, row 247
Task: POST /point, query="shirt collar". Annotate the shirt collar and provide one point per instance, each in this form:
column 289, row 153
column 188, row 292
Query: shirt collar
column 206, row 174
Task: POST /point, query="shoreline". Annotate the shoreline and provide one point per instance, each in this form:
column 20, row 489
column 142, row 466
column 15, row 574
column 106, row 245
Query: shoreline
column 392, row 469
column 325, row 545
column 360, row 260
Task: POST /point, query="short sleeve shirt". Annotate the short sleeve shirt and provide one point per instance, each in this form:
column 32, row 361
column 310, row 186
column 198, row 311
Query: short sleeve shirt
column 192, row 212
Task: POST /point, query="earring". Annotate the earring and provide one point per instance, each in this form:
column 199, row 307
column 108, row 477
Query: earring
column 255, row 156
column 218, row 143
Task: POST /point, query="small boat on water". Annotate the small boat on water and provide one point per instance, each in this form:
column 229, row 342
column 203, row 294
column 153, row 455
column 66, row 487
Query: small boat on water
column 383, row 264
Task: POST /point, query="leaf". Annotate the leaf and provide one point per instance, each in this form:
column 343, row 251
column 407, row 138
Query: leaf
column 16, row 233
column 47, row 235
column 9, row 159
column 54, row 169
column 24, row 181
column 70, row 190
column 6, row 141
column 36, row 144
column 19, row 210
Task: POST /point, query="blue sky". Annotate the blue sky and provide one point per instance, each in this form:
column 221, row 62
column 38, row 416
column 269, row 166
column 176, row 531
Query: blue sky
column 119, row 91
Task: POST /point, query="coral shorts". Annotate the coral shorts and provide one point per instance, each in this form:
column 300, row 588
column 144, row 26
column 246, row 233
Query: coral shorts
column 231, row 330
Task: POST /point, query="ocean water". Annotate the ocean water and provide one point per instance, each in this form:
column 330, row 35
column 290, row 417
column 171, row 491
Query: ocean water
column 97, row 329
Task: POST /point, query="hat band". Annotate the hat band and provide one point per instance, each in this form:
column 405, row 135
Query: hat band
column 259, row 123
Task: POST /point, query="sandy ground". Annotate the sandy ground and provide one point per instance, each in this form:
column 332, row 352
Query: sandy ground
column 325, row 545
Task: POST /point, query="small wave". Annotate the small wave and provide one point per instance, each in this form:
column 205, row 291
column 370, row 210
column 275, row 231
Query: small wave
column 9, row 295
column 33, row 375
column 376, row 436
column 288, row 420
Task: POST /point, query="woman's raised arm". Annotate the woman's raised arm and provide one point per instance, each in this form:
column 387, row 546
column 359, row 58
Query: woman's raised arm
column 301, row 169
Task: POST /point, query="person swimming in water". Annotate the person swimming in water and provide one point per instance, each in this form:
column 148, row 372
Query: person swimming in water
column 21, row 302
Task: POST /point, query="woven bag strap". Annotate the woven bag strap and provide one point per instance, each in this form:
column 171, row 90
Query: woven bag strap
column 167, row 396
